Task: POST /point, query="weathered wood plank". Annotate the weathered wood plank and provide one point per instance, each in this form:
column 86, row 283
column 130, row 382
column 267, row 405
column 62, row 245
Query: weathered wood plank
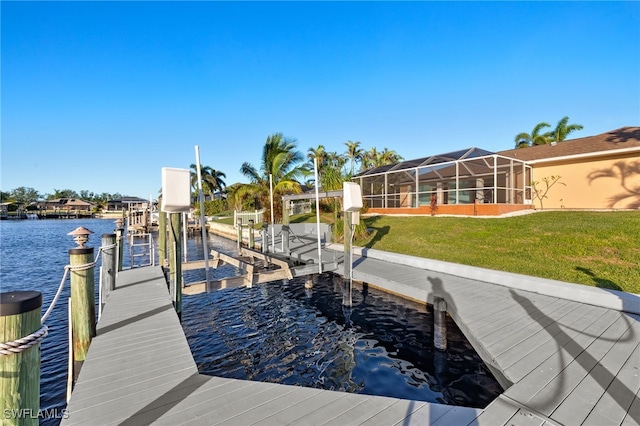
column 579, row 403
column 619, row 396
column 520, row 359
column 499, row 412
column 364, row 413
column 554, row 382
column 299, row 410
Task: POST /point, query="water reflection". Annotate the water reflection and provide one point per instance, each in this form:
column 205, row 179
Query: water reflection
column 281, row 332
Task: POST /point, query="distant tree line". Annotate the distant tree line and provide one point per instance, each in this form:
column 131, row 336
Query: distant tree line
column 282, row 165
column 26, row 195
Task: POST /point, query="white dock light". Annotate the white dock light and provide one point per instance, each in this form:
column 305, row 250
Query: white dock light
column 352, row 197
column 352, row 201
column 176, row 192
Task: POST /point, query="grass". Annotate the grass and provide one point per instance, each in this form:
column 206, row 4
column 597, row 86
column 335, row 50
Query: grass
column 593, row 248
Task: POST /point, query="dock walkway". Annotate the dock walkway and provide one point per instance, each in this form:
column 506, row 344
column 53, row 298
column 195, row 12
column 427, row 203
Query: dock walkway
column 566, row 355
column 139, row 370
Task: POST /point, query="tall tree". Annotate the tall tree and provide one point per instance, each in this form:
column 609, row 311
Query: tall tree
column 319, row 154
column 369, row 159
column 375, row 158
column 282, row 161
column 562, row 130
column 63, row 193
column 354, row 153
column 389, row 156
column 212, row 179
column 524, row 140
column 24, row 194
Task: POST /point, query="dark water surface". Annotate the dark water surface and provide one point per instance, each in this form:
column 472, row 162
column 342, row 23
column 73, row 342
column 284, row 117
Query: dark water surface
column 273, row 332
column 282, row 333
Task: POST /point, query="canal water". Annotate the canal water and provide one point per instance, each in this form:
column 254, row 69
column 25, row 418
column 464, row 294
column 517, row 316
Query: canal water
column 275, row 332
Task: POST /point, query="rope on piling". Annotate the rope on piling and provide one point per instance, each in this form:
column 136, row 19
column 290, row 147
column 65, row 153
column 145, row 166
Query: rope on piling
column 24, row 343
column 67, row 268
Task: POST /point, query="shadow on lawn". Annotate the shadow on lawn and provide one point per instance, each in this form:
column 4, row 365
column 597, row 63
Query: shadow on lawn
column 379, row 234
column 599, row 282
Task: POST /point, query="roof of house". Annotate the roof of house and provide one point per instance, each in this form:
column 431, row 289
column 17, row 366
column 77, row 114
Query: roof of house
column 462, row 154
column 624, row 137
column 68, row 202
column 127, row 199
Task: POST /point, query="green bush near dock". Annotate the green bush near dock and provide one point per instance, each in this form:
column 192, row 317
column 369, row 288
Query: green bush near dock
column 599, row 249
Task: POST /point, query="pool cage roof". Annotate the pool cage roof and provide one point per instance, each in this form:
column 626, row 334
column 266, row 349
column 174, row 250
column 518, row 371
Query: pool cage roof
column 464, row 154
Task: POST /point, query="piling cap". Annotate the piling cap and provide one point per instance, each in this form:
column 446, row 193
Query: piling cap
column 80, row 235
column 19, row 302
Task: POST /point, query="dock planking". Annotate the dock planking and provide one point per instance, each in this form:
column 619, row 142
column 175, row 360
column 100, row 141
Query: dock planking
column 139, row 370
column 561, row 361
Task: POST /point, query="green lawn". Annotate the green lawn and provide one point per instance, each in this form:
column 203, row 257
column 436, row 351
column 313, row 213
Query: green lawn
column 594, row 248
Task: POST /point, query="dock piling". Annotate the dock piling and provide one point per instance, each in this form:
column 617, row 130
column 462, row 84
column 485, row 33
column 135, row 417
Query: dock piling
column 440, row 323
column 162, row 238
column 251, row 236
column 346, row 297
column 82, row 301
column 109, row 265
column 120, row 241
column 175, row 261
column 20, row 378
column 265, row 238
column 285, row 228
column 239, row 229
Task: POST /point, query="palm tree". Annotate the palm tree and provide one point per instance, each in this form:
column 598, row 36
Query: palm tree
column 369, row 159
column 319, row 154
column 353, row 152
column 283, row 163
column 389, row 156
column 563, row 129
column 524, row 140
column 212, row 179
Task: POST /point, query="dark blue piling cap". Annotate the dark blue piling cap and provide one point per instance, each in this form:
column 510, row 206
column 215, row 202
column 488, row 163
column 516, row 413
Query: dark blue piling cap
column 19, row 302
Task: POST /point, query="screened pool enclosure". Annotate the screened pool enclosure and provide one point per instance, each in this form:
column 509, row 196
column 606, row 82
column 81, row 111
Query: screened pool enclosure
column 461, row 177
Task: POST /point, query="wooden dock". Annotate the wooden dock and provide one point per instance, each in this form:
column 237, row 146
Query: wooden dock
column 140, row 370
column 561, row 361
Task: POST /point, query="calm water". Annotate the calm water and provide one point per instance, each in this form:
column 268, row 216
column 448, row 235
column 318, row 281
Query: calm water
column 273, row 332
column 286, row 334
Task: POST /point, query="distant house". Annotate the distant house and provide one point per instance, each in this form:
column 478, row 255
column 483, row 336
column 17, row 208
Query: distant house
column 598, row 172
column 127, row 203
column 64, row 204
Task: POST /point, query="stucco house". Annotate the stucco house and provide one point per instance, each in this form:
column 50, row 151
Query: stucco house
column 596, row 172
column 64, row 204
column 127, row 203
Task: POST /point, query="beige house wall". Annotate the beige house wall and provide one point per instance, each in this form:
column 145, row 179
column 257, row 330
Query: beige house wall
column 611, row 182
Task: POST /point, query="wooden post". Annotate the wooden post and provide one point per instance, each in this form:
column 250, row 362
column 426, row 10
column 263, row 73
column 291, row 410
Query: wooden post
column 265, row 238
column 108, row 268
column 120, row 241
column 20, row 378
column 239, row 232
column 176, row 260
column 285, row 228
column 440, row 323
column 346, row 296
column 162, row 238
column 251, row 237
column 83, row 305
column 308, row 283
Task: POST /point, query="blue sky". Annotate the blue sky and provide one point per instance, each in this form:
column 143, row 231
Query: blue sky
column 100, row 96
